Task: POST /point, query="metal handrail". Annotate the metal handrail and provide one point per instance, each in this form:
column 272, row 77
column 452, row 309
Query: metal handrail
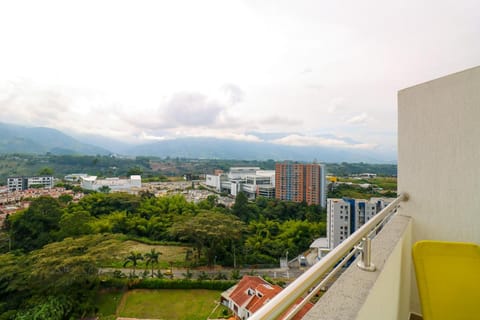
column 287, row 297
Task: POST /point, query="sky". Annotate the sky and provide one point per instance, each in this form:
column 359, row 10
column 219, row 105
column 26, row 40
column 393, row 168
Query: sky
column 297, row 72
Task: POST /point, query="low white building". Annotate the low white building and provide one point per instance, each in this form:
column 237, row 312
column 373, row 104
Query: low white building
column 321, row 246
column 115, row 184
column 75, row 177
column 250, row 180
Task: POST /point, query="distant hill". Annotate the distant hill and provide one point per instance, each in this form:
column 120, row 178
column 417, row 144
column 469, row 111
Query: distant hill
column 22, row 139
column 211, row 148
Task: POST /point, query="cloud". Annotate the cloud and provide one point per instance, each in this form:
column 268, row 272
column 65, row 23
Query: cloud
column 227, row 135
column 336, row 105
column 181, row 109
column 234, row 93
column 318, row 141
column 28, row 104
column 277, row 120
column 358, row 119
column 317, row 87
column 213, row 133
column 192, row 109
column 307, row 70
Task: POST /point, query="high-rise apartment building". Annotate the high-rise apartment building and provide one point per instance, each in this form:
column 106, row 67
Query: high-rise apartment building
column 345, row 216
column 300, row 182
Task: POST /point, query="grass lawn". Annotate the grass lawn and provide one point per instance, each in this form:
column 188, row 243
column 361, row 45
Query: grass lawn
column 387, row 183
column 169, row 304
column 107, row 303
column 176, row 254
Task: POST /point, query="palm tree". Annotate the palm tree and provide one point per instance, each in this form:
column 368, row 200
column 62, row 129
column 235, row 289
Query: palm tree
column 152, row 258
column 134, row 257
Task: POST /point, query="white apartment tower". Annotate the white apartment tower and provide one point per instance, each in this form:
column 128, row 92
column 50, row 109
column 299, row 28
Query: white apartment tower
column 338, row 221
column 345, row 216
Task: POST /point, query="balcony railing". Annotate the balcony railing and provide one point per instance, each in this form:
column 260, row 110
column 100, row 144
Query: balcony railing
column 322, row 272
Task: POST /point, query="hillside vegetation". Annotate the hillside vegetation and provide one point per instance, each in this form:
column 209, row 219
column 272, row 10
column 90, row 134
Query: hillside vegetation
column 156, row 169
column 57, row 248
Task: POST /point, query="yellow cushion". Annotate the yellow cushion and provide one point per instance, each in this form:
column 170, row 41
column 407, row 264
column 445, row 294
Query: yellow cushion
column 448, row 279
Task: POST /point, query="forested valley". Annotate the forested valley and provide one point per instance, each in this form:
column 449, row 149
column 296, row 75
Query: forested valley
column 52, row 251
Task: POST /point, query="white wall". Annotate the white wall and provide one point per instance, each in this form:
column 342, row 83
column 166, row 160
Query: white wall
column 439, row 158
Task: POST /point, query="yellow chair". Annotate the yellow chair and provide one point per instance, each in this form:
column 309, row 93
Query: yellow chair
column 448, row 279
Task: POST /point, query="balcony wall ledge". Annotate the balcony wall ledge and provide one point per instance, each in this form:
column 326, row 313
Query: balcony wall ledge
column 382, row 294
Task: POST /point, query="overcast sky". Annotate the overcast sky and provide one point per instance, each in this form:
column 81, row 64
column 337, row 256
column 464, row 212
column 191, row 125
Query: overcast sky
column 293, row 72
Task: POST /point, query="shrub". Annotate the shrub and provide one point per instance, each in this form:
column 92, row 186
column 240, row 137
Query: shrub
column 152, row 283
column 116, row 283
column 235, row 274
column 203, row 276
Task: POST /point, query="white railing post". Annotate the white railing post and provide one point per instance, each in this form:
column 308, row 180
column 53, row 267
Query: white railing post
column 365, row 262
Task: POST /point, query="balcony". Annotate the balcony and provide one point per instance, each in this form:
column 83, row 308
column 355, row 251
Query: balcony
column 439, row 169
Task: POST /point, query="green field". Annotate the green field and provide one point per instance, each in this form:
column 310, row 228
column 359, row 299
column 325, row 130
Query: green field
column 107, row 303
column 174, row 254
column 386, row 183
column 170, row 304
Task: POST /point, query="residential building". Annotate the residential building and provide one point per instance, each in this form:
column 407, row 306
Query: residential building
column 338, row 221
column 131, row 184
column 24, row 183
column 250, row 180
column 250, row 294
column 300, row 182
column 15, row 184
column 345, row 216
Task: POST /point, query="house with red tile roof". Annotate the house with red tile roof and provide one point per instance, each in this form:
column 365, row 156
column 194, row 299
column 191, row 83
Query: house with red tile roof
column 250, row 294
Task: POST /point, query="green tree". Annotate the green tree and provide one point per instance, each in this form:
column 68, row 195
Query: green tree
column 75, row 223
column 152, row 258
column 210, row 230
column 103, row 204
column 209, row 203
column 104, row 189
column 240, row 207
column 65, row 198
column 49, row 308
column 134, row 171
column 36, row 226
column 134, row 258
column 58, row 281
column 46, row 172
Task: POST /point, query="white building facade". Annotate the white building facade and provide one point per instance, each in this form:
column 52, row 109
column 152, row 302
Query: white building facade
column 115, row 184
column 345, row 216
column 24, row 183
column 250, row 180
column 75, row 177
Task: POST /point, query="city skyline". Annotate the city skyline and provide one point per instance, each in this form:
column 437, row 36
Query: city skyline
column 301, row 73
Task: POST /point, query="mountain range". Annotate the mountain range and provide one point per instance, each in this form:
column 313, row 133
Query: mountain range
column 40, row 140
column 22, row 139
